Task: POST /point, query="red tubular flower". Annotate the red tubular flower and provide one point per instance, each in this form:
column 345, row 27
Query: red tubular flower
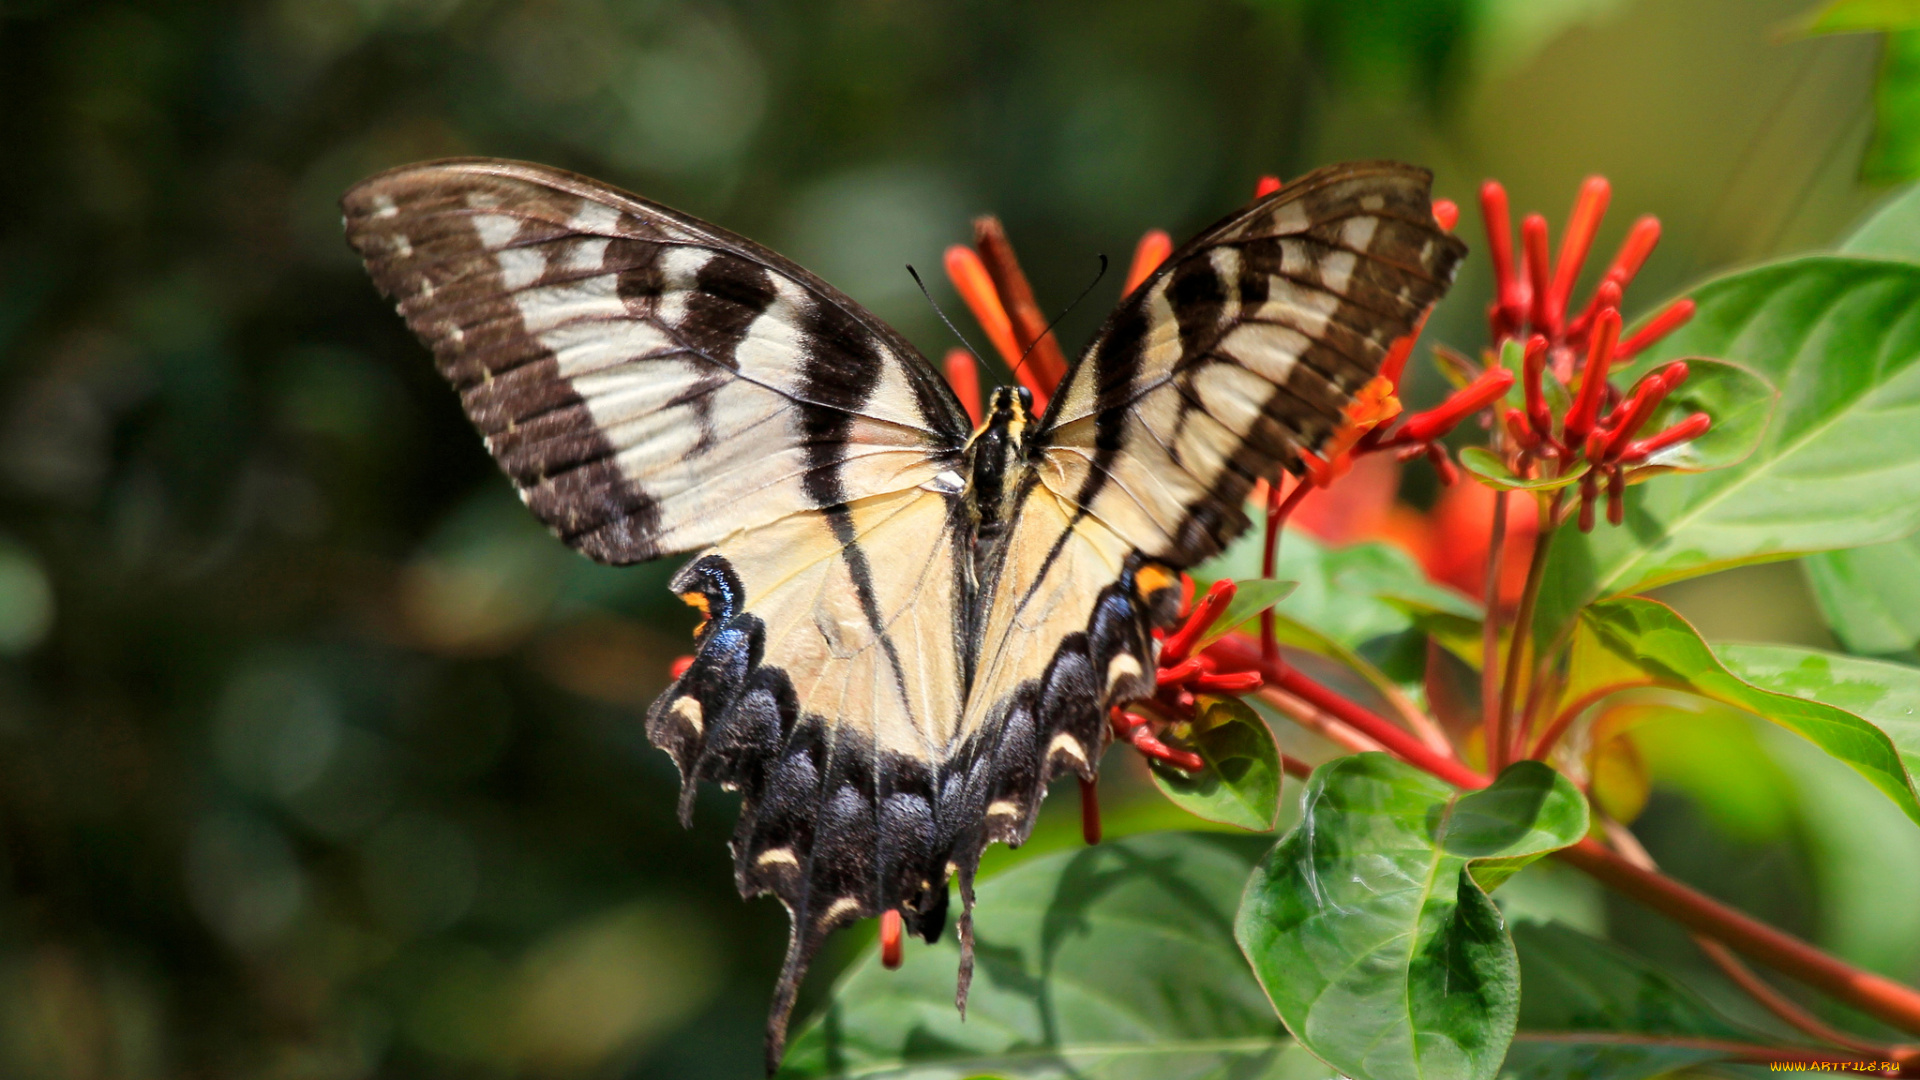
column 975, row 286
column 679, row 666
column 1446, row 213
column 1179, row 644
column 1148, row 254
column 1691, row 428
column 1267, row 186
column 1593, row 380
column 1588, row 208
column 1671, row 318
column 1138, row 730
column 1626, row 420
column 963, row 374
column 1533, row 270
column 890, row 937
column 1490, row 387
column 1507, row 311
column 1533, row 368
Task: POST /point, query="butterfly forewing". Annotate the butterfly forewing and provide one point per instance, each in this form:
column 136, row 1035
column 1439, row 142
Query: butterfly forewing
column 1241, row 351
column 616, row 355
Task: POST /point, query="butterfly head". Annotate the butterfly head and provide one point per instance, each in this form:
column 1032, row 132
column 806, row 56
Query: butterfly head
column 995, row 452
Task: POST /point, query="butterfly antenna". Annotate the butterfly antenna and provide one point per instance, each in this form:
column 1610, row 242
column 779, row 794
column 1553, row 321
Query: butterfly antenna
column 1068, row 310
column 943, row 315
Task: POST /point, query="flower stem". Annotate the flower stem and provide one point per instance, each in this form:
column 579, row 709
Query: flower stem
column 1880, row 997
column 1520, row 727
column 1494, row 733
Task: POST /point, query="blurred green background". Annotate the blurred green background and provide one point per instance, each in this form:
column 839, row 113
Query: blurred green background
column 318, row 758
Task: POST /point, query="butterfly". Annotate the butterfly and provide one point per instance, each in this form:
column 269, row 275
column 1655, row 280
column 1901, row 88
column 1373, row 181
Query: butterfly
column 909, row 624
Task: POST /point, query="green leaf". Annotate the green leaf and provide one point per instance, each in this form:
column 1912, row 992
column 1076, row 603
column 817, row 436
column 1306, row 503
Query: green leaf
column 1892, row 231
column 1106, row 962
column 1576, row 986
column 1241, row 784
column 1838, row 467
column 1491, row 469
column 1353, row 593
column 1639, row 642
column 1251, row 596
column 1854, row 16
column 1870, row 595
column 1894, row 153
column 1377, row 947
column 1885, row 695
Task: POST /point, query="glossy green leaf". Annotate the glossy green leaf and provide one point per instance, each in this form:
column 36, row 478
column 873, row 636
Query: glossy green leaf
column 1894, row 153
column 1241, row 784
column 1491, row 469
column 1251, row 596
column 1892, row 231
column 1639, row 642
column 1883, row 694
column 1114, row 962
column 1870, row 595
column 1839, row 466
column 1368, row 931
column 1575, row 987
column 1352, row 594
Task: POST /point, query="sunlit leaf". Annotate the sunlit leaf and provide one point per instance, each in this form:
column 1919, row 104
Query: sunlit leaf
column 1368, row 930
column 1352, row 594
column 1870, row 595
column 1491, row 469
column 1251, row 597
column 1839, row 466
column 1574, row 985
column 1892, row 231
column 1886, row 695
column 1241, row 784
column 1109, row 962
column 1637, row 642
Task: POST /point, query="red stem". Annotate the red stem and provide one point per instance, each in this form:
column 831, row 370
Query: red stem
column 1493, row 719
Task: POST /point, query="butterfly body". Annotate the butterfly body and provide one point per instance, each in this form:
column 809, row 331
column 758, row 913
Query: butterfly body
column 910, row 625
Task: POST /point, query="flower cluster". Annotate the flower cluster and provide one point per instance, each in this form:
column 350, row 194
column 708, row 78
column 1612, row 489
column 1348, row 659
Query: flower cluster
column 1596, row 438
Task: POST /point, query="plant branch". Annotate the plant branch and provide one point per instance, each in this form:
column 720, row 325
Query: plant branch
column 1493, row 723
column 1750, row 1053
column 1520, row 727
column 1875, row 995
column 1761, row 991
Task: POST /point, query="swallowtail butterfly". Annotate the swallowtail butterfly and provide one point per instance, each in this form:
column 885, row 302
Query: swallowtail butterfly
column 910, row 624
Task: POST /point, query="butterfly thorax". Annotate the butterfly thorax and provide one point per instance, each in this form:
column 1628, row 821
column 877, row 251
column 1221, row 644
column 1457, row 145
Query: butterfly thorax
column 995, row 457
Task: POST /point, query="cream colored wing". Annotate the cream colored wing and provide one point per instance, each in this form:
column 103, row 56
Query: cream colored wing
column 826, row 689
column 1240, row 351
column 651, row 383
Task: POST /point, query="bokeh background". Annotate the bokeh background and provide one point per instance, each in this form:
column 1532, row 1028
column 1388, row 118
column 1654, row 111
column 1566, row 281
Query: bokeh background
column 319, row 759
